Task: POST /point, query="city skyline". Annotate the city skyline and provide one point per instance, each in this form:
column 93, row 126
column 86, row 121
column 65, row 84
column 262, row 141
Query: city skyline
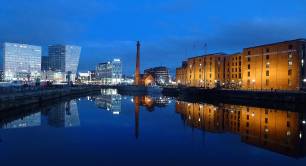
column 174, row 30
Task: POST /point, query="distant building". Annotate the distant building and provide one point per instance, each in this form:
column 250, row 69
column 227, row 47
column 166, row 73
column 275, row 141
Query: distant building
column 127, row 80
column 64, row 58
column 53, row 76
column 20, row 61
column 1, row 75
column 109, row 73
column 160, row 74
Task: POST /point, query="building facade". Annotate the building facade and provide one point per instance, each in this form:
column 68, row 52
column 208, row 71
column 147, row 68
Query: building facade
column 278, row 66
column 233, row 71
column 20, row 61
column 160, row 74
column 64, row 58
column 45, row 63
column 202, row 71
column 109, row 73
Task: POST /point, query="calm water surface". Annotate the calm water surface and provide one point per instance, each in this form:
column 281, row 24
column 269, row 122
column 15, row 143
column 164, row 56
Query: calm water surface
column 110, row 129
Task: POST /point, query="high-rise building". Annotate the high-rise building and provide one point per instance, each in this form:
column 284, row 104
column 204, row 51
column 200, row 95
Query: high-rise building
column 45, row 63
column 160, row 74
column 109, row 73
column 64, row 58
column 20, row 61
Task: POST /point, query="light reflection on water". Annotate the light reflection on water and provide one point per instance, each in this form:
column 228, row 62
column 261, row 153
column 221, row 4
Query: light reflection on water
column 155, row 122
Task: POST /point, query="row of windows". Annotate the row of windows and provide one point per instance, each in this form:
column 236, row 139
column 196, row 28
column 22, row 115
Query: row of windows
column 290, row 47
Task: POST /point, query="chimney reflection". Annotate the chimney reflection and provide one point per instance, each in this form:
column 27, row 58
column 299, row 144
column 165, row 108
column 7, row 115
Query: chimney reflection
column 137, row 109
column 149, row 103
column 276, row 130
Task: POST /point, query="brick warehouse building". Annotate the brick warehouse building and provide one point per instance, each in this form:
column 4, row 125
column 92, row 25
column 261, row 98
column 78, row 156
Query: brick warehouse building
column 277, row 66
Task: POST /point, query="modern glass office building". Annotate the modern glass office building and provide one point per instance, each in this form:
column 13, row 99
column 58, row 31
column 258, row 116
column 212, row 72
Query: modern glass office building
column 109, row 73
column 20, row 61
column 64, row 58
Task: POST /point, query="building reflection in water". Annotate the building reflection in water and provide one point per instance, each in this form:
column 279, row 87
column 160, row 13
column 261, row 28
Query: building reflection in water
column 63, row 114
column 149, row 103
column 109, row 100
column 31, row 120
column 276, row 130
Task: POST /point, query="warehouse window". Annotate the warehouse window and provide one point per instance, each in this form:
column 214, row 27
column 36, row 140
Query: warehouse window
column 249, row 59
column 289, row 72
column 267, row 73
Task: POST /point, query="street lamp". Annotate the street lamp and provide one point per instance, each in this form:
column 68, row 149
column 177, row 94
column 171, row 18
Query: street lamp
column 253, row 81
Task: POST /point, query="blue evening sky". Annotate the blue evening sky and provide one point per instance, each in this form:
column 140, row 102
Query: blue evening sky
column 169, row 30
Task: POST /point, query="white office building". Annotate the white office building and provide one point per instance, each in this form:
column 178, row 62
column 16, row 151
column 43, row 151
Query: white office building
column 20, row 61
column 109, row 73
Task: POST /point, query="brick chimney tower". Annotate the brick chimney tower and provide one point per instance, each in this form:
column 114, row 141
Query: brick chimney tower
column 137, row 71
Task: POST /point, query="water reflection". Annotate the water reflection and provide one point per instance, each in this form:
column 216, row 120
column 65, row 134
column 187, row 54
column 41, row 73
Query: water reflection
column 109, row 100
column 276, row 130
column 64, row 114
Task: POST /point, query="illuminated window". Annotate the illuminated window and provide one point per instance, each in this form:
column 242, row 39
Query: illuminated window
column 290, row 63
column 268, row 65
column 290, row 56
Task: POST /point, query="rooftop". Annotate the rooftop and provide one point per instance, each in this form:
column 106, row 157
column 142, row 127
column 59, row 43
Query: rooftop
column 282, row 42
